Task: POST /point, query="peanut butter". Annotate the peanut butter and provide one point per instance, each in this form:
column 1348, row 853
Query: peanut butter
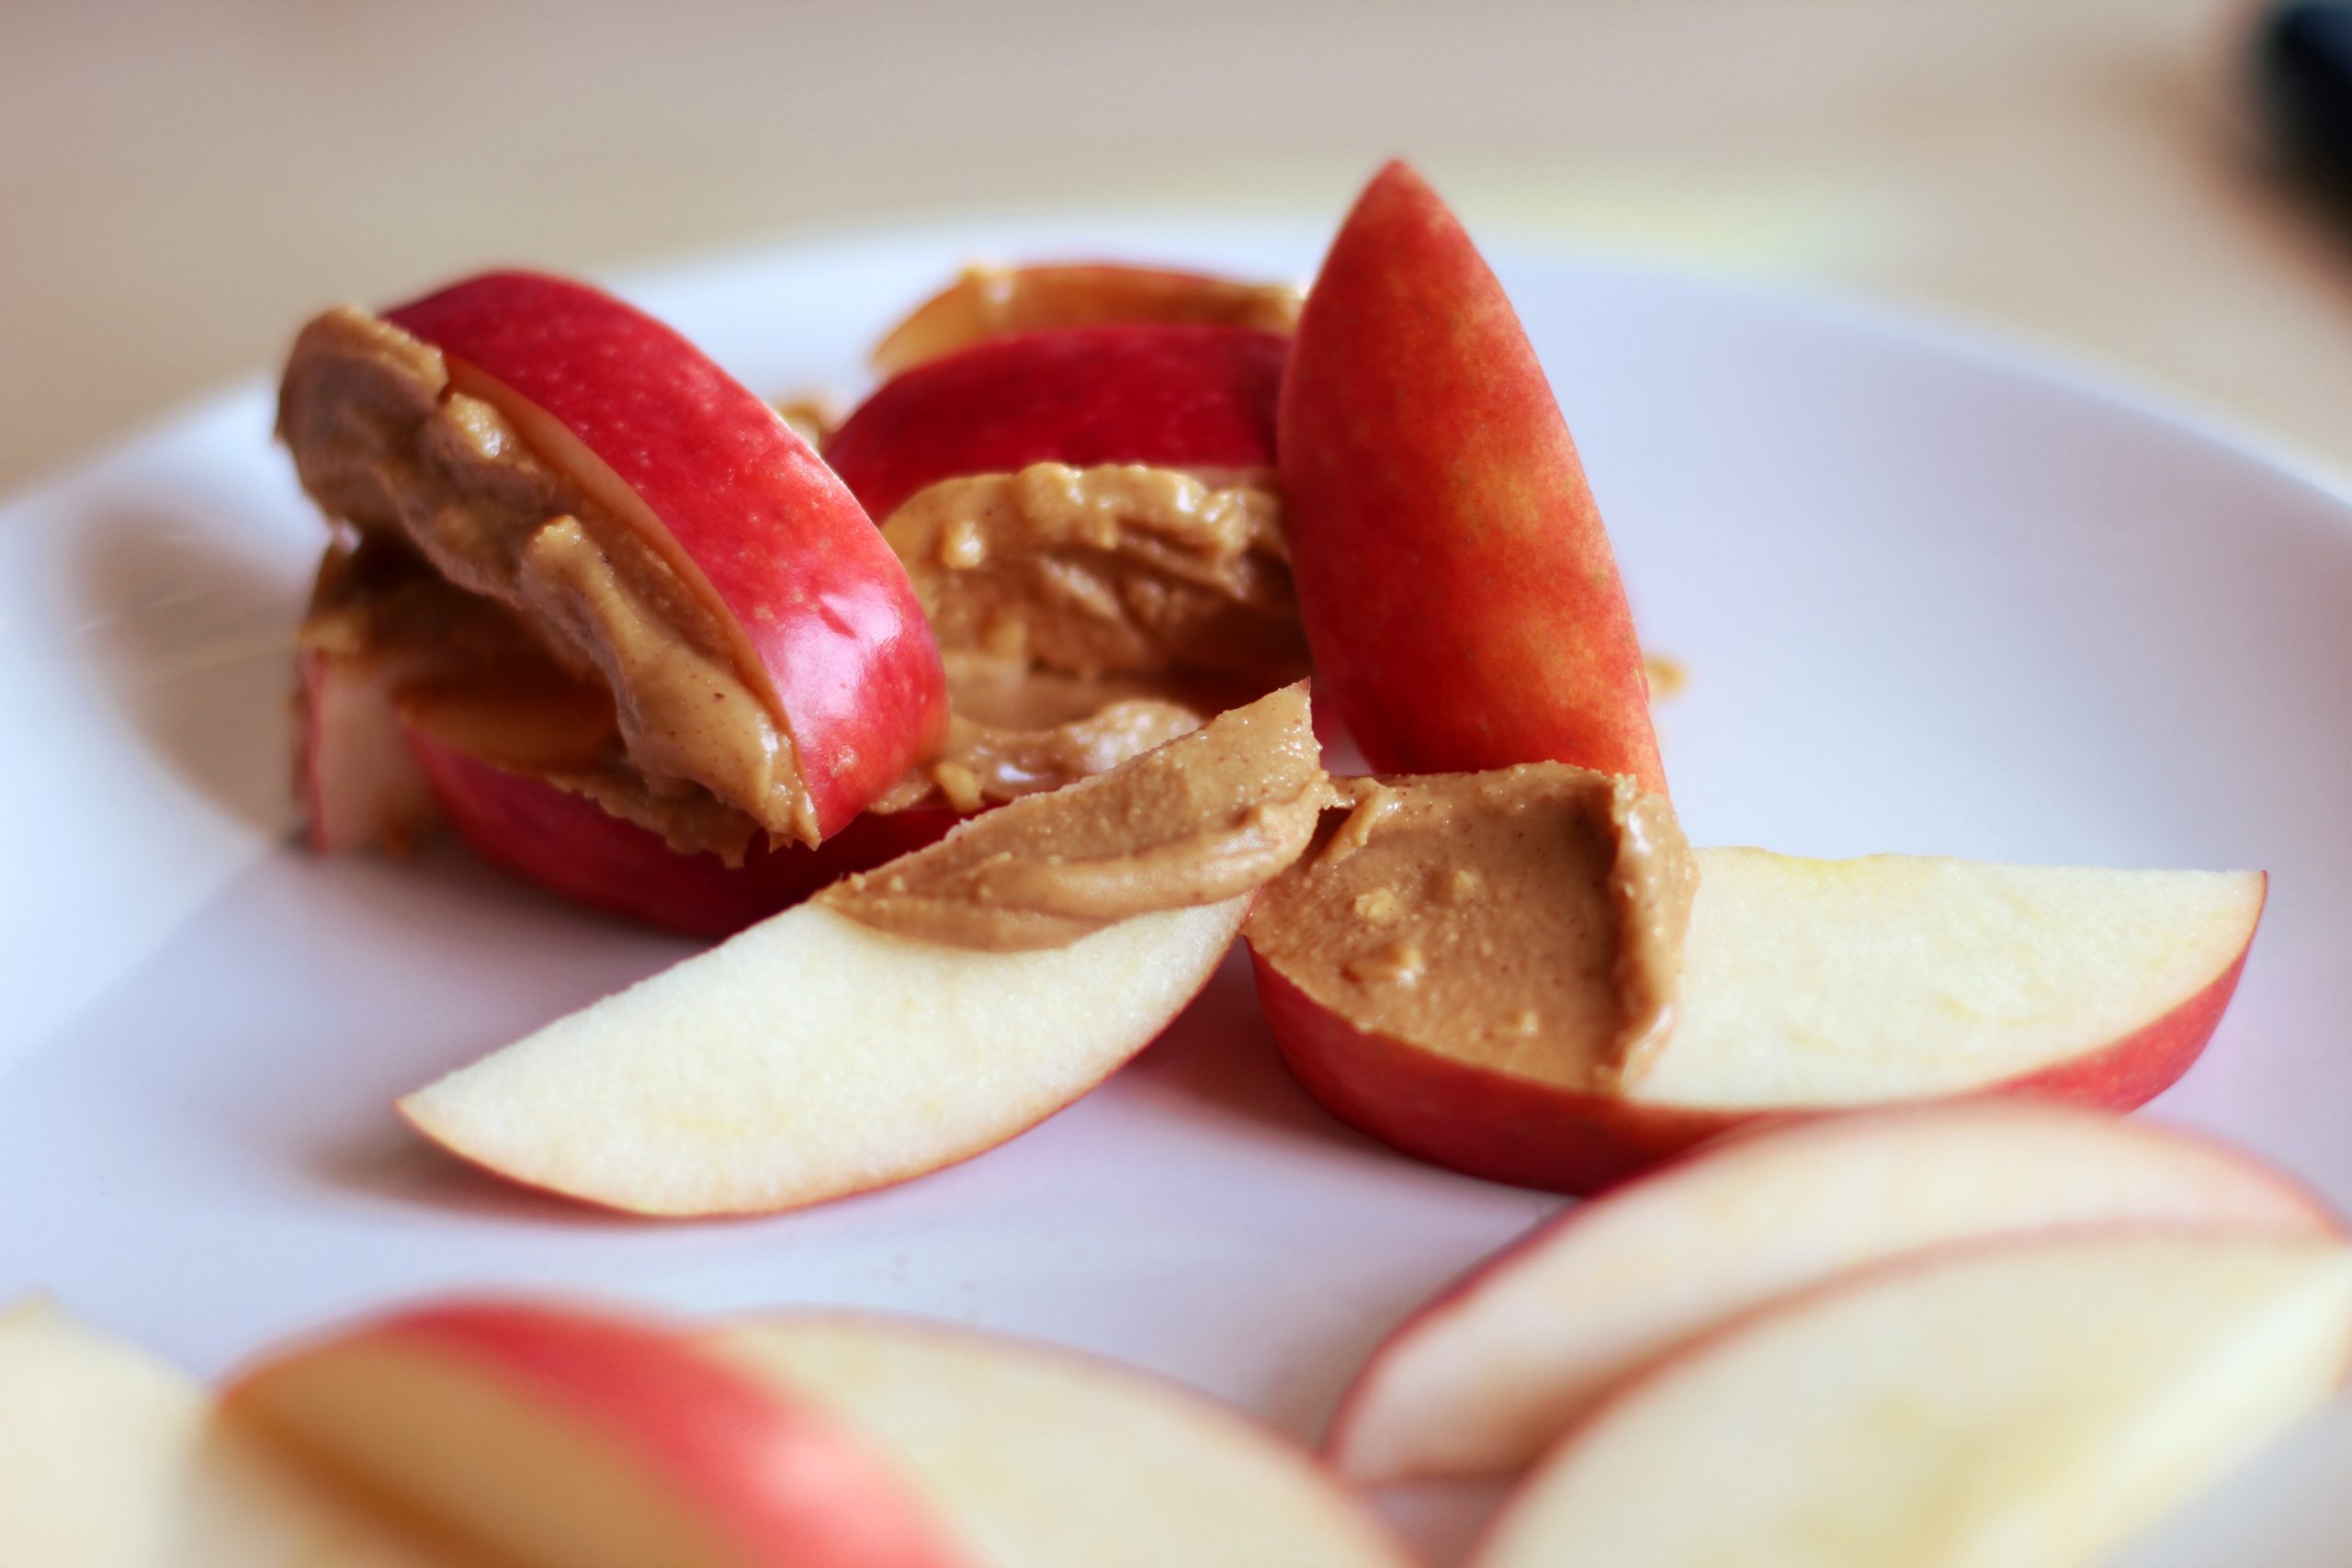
column 1529, row 920
column 1203, row 818
column 385, row 443
column 1114, row 569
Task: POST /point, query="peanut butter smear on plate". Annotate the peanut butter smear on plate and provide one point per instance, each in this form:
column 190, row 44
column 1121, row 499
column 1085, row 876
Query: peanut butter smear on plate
column 1529, row 920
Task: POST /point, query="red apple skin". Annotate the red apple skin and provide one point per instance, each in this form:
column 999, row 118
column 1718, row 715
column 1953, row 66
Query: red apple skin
column 791, row 1487
column 1168, row 395
column 1431, row 486
column 573, row 848
column 1530, row 1135
column 780, row 544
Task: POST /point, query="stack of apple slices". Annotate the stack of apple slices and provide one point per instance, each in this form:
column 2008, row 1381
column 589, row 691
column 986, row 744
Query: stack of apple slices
column 535, row 1435
column 1975, row 1334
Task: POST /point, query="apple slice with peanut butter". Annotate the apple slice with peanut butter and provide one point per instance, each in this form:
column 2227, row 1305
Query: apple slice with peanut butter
column 913, row 1016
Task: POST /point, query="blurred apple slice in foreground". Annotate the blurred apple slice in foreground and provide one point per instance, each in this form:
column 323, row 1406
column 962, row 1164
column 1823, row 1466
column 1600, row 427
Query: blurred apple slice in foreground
column 111, row 1459
column 1042, row 1458
column 546, row 1437
column 2037, row 1403
column 1483, row 1378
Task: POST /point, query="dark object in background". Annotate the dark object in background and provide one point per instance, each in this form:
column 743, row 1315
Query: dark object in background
column 2303, row 70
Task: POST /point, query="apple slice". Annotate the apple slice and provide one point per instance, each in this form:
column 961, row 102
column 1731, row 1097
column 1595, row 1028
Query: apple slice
column 815, row 1055
column 1042, row 1458
column 1169, row 397
column 357, row 784
column 575, row 848
column 553, row 1438
column 1481, row 1380
column 995, row 302
column 1810, row 985
column 110, row 1459
column 761, row 551
column 2029, row 1403
column 1431, row 486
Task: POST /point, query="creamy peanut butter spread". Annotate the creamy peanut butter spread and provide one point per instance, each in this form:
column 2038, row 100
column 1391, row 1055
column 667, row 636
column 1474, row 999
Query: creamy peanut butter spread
column 1529, row 920
column 1113, row 569
column 383, row 441
column 1203, row 818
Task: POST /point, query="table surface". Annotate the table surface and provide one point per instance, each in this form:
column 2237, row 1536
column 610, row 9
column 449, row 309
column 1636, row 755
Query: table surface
column 184, row 183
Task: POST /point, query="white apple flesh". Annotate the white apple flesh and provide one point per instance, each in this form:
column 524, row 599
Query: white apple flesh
column 2031, row 1402
column 811, row 1056
column 353, row 776
column 1483, row 1378
column 112, row 1459
column 1041, row 1459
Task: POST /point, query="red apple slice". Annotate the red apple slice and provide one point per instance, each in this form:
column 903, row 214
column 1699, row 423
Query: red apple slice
column 115, row 1460
column 1041, row 1459
column 2026, row 1403
column 1430, row 488
column 1170, row 397
column 575, row 849
column 1483, row 1379
column 1811, row 985
column 994, row 302
column 823, row 624
column 551, row 1437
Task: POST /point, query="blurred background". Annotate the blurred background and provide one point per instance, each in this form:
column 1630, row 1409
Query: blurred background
column 183, row 183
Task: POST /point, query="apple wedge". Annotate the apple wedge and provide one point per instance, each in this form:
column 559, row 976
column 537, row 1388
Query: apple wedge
column 355, row 780
column 1805, row 985
column 1482, row 1380
column 1166, row 396
column 996, row 301
column 546, row 1436
column 575, row 848
column 549, row 447
column 1041, row 1459
column 111, row 1459
column 2033, row 1403
column 916, row 1016
column 1431, row 490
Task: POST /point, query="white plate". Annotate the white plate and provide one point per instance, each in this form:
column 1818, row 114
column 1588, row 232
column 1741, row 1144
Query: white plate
column 1931, row 597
